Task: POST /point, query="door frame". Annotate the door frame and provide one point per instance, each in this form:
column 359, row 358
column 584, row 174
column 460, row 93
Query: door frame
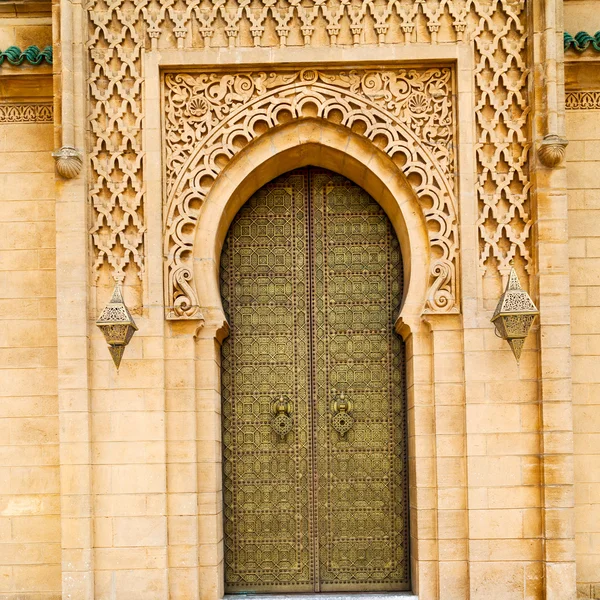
column 319, row 143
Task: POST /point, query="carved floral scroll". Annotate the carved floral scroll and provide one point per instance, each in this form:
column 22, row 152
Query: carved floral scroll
column 408, row 113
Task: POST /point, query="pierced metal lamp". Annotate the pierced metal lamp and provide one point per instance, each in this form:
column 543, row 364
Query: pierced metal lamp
column 514, row 314
column 117, row 325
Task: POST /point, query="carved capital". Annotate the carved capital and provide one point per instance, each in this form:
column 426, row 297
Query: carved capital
column 552, row 150
column 68, row 162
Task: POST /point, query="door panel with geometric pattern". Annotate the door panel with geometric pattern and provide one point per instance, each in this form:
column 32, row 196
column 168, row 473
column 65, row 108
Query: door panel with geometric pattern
column 314, row 436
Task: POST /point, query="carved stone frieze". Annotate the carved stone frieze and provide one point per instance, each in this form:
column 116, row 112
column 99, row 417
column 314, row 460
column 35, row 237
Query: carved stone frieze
column 586, row 100
column 122, row 30
column 208, row 116
column 26, row 112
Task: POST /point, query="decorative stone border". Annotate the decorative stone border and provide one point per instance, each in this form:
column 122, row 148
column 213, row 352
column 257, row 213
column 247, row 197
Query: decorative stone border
column 496, row 32
column 582, row 100
column 26, row 113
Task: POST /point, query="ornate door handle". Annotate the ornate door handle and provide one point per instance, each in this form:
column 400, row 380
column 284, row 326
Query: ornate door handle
column 282, row 421
column 342, row 421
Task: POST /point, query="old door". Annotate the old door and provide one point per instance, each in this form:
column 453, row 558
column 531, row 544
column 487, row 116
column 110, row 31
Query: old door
column 314, row 435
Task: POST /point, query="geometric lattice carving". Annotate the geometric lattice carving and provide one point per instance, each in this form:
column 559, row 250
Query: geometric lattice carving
column 122, row 30
column 116, row 185
column 502, row 145
column 408, row 113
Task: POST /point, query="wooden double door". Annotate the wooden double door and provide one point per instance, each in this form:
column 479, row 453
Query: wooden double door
column 314, row 434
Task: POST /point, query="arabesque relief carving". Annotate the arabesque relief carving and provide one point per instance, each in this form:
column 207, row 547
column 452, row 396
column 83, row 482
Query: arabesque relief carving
column 586, row 100
column 209, row 116
column 122, row 30
column 29, row 112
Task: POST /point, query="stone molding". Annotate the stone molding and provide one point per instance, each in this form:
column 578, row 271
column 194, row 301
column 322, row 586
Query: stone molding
column 496, row 31
column 26, row 112
column 583, row 100
column 210, row 116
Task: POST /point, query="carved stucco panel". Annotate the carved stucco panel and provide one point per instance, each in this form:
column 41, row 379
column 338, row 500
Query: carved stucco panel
column 121, row 31
column 408, row 113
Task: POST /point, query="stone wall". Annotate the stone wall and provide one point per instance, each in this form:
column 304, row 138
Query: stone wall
column 29, row 456
column 583, row 159
column 583, row 129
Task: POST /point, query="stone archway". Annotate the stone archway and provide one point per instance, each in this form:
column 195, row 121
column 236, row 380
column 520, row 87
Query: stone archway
column 318, row 143
column 212, row 118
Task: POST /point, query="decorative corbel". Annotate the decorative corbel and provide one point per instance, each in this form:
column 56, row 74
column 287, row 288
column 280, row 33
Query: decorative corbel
column 68, row 161
column 551, row 150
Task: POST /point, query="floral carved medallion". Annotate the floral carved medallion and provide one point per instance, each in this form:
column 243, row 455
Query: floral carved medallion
column 209, row 116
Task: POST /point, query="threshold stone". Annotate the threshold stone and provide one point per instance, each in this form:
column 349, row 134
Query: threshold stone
column 327, row 596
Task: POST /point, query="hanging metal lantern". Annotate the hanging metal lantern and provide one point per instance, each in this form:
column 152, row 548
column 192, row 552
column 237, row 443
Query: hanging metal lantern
column 514, row 314
column 117, row 325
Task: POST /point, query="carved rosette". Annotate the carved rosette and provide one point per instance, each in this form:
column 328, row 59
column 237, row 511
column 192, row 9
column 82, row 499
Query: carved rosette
column 408, row 113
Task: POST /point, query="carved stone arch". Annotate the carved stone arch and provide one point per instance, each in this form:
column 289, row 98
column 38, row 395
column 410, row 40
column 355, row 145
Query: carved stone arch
column 210, row 117
column 318, row 143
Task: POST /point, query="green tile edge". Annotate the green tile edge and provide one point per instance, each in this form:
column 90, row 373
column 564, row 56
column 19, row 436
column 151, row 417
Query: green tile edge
column 32, row 55
column 581, row 41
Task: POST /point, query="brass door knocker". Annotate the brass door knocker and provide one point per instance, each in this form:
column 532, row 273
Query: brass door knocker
column 282, row 421
column 342, row 420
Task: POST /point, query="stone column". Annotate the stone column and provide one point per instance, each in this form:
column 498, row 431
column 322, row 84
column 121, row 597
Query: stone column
column 551, row 286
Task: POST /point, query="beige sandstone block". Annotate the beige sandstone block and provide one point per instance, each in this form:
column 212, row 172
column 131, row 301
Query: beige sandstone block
column 505, row 550
column 182, row 504
column 453, row 550
column 6, row 579
column 497, row 580
column 39, row 578
column 142, row 584
column 184, row 451
column 450, row 445
column 211, row 582
column 26, row 138
column 138, row 479
column 43, row 528
column 449, row 420
column 182, row 477
column 490, row 418
column 495, row 524
column 490, row 471
column 183, row 583
column 34, row 480
column 560, row 581
column 181, row 556
column 514, row 497
column 452, row 524
column 517, row 391
column 139, row 531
